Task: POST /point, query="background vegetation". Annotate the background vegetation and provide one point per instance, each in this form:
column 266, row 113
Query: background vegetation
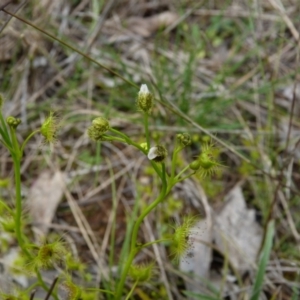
column 225, row 69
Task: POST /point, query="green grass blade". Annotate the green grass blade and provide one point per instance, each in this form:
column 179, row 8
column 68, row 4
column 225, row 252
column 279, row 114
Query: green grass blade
column 265, row 254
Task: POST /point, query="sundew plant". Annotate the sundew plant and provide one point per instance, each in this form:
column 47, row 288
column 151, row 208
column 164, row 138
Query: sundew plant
column 52, row 253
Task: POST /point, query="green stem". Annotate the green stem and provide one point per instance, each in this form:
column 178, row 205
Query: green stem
column 134, row 249
column 27, row 139
column 185, row 177
column 130, row 142
column 18, row 218
column 111, row 138
column 18, row 215
column 131, row 291
column 16, row 156
column 154, row 242
column 146, row 125
column 174, row 158
column 181, row 172
column 15, row 145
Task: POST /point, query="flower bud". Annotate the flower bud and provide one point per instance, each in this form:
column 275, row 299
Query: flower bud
column 101, row 124
column 194, row 165
column 205, row 161
column 184, row 139
column 157, row 153
column 144, row 146
column 98, row 128
column 13, row 122
column 145, row 100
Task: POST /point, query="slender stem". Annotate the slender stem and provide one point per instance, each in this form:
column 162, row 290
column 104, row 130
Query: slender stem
column 146, row 125
column 18, row 218
column 154, row 242
column 185, row 177
column 18, row 215
column 15, row 144
column 134, row 249
column 27, row 139
column 16, row 156
column 181, row 172
column 130, row 142
column 111, row 138
column 125, row 270
column 174, row 157
column 131, row 291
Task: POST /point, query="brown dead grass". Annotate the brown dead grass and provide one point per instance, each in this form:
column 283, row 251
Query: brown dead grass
column 34, row 76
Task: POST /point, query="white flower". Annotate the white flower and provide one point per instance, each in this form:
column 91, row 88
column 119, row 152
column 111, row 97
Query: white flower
column 145, row 100
column 152, row 153
column 144, row 89
column 157, row 153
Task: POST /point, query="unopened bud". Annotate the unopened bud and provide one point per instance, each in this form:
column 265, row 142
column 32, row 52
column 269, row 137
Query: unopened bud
column 13, row 122
column 98, row 128
column 184, row 139
column 157, row 153
column 145, row 100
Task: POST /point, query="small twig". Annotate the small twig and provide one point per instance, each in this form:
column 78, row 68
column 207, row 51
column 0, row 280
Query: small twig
column 51, row 288
column 32, row 295
column 17, row 9
column 4, row 5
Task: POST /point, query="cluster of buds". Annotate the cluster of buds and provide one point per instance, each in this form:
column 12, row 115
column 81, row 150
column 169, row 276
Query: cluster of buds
column 13, row 122
column 184, row 139
column 98, row 128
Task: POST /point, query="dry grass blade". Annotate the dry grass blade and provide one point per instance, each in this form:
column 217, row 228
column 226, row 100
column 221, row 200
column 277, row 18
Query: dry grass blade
column 224, row 70
column 51, row 288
